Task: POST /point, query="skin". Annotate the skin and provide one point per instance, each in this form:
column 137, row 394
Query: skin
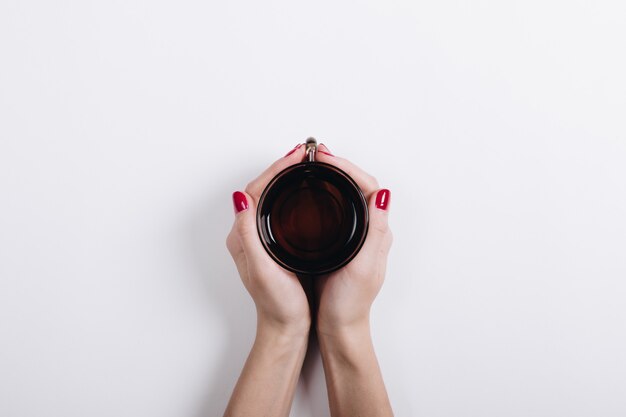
column 339, row 305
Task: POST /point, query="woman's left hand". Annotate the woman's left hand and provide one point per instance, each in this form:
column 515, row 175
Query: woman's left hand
column 279, row 297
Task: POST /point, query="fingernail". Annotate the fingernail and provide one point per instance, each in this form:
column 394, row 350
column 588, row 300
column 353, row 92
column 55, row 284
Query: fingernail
column 326, row 152
column 240, row 202
column 293, row 150
column 382, row 199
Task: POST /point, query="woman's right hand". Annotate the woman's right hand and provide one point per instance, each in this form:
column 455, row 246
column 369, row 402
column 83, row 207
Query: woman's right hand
column 354, row 382
column 346, row 295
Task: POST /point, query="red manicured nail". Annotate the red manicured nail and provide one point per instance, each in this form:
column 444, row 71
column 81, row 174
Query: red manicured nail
column 240, row 202
column 293, row 150
column 326, row 152
column 382, row 199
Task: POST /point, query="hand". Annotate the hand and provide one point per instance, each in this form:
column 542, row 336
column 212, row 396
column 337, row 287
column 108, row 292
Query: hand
column 268, row 380
column 345, row 296
column 354, row 382
column 269, row 377
column 279, row 297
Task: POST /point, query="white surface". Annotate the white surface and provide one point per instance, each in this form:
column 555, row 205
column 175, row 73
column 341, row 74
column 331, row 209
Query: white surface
column 498, row 126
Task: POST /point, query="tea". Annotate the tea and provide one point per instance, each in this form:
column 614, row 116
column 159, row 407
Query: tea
column 312, row 218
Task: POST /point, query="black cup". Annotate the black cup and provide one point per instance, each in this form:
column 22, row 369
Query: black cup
column 312, row 218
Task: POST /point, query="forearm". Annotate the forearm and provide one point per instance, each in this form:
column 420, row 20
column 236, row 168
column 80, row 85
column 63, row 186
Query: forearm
column 269, row 377
column 353, row 378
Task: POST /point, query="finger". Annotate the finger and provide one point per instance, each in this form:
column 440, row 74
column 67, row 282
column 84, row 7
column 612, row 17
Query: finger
column 256, row 186
column 366, row 182
column 324, row 149
column 245, row 227
column 378, row 235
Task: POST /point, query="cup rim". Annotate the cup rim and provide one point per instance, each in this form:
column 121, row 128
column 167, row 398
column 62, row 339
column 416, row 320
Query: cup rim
column 361, row 198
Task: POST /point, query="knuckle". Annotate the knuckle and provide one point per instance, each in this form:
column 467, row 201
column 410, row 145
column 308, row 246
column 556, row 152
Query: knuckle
column 245, row 228
column 250, row 187
column 379, row 225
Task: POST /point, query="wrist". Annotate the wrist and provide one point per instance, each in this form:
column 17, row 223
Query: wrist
column 287, row 332
column 342, row 333
column 345, row 341
column 337, row 329
column 279, row 345
column 348, row 348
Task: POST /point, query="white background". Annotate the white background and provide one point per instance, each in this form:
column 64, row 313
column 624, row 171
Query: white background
column 499, row 126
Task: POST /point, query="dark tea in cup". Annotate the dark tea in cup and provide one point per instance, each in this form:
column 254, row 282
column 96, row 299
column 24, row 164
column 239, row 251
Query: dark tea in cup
column 312, row 218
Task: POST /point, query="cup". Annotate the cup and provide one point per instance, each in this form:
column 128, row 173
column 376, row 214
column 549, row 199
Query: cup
column 312, row 218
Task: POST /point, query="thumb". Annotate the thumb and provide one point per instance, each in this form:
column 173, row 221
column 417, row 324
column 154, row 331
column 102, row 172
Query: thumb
column 245, row 224
column 378, row 233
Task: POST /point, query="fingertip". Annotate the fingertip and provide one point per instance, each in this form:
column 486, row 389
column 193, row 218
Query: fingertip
column 294, row 150
column 256, row 186
column 366, row 182
column 378, row 216
column 322, row 148
column 240, row 202
column 382, row 199
column 245, row 219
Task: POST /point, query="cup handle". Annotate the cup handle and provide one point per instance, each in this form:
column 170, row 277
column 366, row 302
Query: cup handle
column 310, row 150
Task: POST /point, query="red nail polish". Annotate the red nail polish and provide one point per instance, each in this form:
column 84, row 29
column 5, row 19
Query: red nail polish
column 326, row 152
column 382, row 199
column 293, row 150
column 240, row 202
